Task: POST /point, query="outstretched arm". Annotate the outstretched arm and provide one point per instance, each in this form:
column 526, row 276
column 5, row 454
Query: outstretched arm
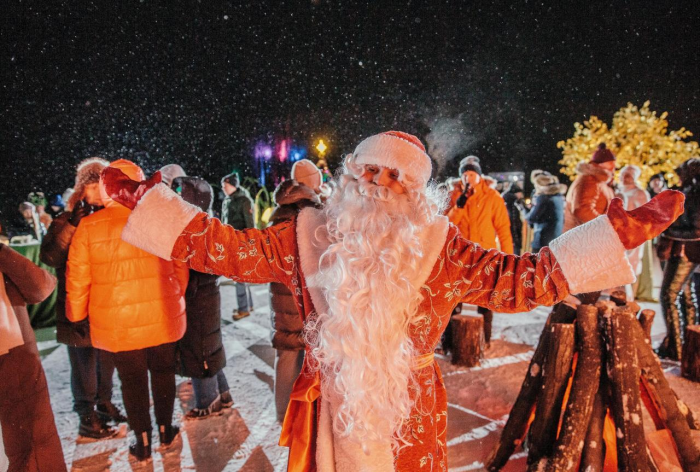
column 588, row 258
column 165, row 225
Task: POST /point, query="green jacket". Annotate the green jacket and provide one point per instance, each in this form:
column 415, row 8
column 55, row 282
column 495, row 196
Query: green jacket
column 237, row 210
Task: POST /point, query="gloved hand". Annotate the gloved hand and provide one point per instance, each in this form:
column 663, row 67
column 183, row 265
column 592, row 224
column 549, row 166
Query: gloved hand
column 648, row 221
column 80, row 210
column 125, row 191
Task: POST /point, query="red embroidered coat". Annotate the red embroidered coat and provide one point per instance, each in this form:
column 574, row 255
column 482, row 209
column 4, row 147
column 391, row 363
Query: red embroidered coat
column 461, row 272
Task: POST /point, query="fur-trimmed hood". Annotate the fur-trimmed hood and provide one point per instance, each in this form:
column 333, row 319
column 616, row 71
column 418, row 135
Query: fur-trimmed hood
column 547, row 184
column 586, row 168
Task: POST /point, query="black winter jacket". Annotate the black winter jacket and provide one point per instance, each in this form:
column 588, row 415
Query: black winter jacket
column 201, row 349
column 237, row 210
column 54, row 253
column 290, row 197
column 685, row 231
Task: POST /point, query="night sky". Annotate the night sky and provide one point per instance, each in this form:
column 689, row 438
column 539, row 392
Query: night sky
column 200, row 83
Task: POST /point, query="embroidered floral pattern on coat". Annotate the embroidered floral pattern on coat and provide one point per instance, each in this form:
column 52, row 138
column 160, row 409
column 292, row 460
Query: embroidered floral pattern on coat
column 464, row 272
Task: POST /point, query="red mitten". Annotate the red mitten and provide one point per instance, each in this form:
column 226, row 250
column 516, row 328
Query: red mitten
column 648, row 221
column 125, row 191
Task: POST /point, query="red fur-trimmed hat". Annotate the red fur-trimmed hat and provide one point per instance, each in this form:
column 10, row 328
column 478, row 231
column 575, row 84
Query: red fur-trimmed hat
column 396, row 150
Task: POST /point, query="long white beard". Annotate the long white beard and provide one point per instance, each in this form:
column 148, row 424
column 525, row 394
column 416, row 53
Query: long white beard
column 362, row 345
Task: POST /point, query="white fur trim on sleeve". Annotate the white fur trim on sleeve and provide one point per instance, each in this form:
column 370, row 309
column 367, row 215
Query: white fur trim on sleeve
column 158, row 220
column 592, row 257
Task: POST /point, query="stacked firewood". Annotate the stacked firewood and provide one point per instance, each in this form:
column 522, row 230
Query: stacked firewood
column 593, row 361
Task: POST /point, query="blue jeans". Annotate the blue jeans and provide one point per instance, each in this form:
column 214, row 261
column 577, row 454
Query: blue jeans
column 206, row 390
column 243, row 296
column 90, row 378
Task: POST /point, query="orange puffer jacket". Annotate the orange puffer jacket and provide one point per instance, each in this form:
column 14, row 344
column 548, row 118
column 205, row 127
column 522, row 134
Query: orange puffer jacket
column 134, row 300
column 484, row 218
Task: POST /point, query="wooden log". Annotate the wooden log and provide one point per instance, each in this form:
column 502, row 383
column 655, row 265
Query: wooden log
column 646, row 319
column 619, row 297
column 467, row 340
column 690, row 360
column 589, row 298
column 625, row 402
column 634, row 306
column 516, row 425
column 668, row 408
column 555, row 378
column 593, row 453
column 584, row 388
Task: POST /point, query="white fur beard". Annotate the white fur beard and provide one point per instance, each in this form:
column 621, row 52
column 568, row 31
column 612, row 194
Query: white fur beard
column 362, row 345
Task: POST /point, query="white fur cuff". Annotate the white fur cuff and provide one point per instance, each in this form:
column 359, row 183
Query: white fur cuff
column 158, row 220
column 592, row 257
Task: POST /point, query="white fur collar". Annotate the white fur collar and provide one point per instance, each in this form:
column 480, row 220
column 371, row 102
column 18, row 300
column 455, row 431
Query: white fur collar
column 313, row 241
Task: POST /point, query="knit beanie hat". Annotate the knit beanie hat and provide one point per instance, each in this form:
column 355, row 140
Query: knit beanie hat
column 170, row 172
column 396, row 150
column 232, row 179
column 305, row 172
column 602, row 154
column 469, row 163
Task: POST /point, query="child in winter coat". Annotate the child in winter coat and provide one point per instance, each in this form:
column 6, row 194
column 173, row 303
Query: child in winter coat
column 202, row 355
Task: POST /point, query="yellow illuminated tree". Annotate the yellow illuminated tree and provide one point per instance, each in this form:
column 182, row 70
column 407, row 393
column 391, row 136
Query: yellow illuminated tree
column 637, row 136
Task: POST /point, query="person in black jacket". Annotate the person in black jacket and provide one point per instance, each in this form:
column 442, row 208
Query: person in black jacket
column 513, row 198
column 92, row 369
column 202, row 355
column 290, row 197
column 237, row 211
column 547, row 213
column 680, row 244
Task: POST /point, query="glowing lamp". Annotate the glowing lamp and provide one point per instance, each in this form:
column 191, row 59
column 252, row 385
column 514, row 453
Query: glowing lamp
column 321, row 147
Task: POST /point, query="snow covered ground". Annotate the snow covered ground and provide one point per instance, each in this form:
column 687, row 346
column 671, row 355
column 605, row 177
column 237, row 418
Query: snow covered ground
column 245, row 437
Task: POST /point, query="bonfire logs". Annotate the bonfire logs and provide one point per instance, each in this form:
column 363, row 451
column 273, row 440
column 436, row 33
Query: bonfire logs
column 555, row 377
column 690, row 363
column 655, row 381
column 623, row 372
column 467, row 340
column 583, row 393
column 633, row 376
column 516, row 426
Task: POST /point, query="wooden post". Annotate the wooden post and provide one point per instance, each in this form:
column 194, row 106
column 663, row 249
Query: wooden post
column 690, row 360
column 593, row 454
column 619, row 297
column 669, row 411
column 556, row 373
column 646, row 319
column 514, row 429
column 584, row 388
column 623, row 372
column 467, row 340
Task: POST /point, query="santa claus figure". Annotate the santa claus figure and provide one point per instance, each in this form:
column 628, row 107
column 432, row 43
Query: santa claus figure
column 376, row 274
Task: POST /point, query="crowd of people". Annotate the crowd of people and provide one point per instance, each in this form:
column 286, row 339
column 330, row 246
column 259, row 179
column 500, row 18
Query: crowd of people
column 138, row 263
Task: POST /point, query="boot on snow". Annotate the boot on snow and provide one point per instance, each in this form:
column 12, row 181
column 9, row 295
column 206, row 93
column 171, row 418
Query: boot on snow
column 141, row 449
column 93, row 428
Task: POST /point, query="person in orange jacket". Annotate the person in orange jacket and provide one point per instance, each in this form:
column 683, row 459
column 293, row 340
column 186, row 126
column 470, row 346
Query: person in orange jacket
column 481, row 216
column 136, row 306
